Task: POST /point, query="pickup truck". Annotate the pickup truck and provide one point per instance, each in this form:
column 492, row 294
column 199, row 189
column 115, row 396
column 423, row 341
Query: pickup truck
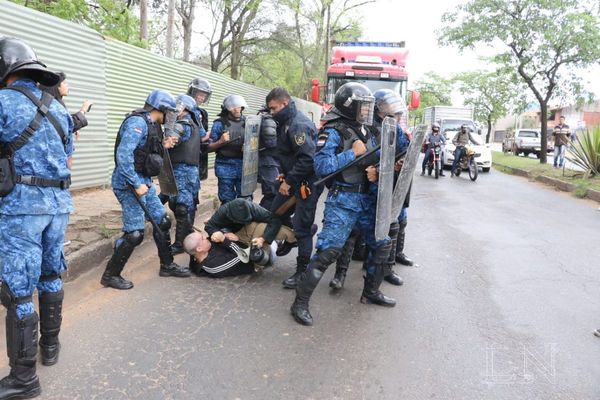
column 526, row 141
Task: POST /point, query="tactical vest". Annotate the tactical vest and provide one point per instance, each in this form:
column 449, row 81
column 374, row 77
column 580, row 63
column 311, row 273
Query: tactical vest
column 187, row 152
column 354, row 175
column 148, row 159
column 236, row 130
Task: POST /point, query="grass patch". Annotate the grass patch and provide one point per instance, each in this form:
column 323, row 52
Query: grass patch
column 535, row 169
column 107, row 233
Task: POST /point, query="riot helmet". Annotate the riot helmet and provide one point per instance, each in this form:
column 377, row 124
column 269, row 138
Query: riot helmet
column 185, row 102
column 234, row 101
column 354, row 101
column 16, row 55
column 161, row 100
column 388, row 102
column 199, row 86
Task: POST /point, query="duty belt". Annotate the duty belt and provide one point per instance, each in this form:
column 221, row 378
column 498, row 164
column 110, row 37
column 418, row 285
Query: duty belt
column 38, row 181
column 360, row 188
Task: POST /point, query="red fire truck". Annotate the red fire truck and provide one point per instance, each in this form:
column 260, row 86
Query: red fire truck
column 378, row 65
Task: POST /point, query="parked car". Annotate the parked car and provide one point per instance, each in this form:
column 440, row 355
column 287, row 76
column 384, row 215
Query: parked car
column 483, row 154
column 526, row 141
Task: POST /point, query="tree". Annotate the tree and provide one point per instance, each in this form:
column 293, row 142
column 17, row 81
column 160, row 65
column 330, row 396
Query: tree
column 170, row 28
column 435, row 90
column 491, row 94
column 546, row 42
column 186, row 10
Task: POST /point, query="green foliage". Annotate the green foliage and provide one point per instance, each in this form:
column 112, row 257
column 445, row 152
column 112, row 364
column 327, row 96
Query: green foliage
column 491, row 94
column 435, row 90
column 109, row 17
column 585, row 153
column 581, row 188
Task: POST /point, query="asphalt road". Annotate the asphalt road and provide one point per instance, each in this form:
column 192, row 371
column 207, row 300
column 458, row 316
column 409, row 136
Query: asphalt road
column 502, row 307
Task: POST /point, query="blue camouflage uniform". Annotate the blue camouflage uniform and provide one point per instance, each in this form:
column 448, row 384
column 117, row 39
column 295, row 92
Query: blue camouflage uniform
column 186, row 175
column 227, row 169
column 33, row 219
column 133, row 134
column 345, row 210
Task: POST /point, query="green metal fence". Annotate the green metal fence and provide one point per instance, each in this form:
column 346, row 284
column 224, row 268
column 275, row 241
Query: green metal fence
column 117, row 77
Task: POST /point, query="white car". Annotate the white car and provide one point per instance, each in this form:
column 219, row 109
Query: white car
column 483, row 154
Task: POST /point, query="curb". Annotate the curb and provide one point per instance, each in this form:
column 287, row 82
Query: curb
column 88, row 257
column 557, row 183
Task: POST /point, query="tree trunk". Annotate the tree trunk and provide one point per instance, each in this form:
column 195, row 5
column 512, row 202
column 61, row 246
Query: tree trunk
column 144, row 20
column 170, row 28
column 544, row 126
column 489, row 132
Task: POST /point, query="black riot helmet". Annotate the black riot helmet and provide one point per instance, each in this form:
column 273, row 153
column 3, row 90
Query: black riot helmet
column 354, row 101
column 199, row 85
column 16, row 55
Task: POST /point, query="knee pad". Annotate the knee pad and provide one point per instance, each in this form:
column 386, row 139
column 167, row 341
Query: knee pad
column 165, row 223
column 134, row 238
column 9, row 300
column 181, row 211
column 325, row 258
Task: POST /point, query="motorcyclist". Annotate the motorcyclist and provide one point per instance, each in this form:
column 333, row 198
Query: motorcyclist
column 433, row 138
column 460, row 140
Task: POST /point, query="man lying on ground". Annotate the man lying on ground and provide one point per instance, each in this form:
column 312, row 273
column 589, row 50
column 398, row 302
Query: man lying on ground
column 239, row 239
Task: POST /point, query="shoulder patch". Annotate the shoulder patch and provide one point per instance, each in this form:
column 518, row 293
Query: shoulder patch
column 300, row 138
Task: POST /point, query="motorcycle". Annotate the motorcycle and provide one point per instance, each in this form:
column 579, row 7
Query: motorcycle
column 467, row 162
column 434, row 162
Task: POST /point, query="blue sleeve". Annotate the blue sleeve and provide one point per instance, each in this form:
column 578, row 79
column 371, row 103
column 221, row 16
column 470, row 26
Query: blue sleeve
column 187, row 133
column 402, row 141
column 327, row 160
column 216, row 131
column 133, row 132
column 69, row 146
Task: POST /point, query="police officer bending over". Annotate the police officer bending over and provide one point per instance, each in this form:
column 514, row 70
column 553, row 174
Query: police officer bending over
column 240, row 237
column 36, row 138
column 139, row 149
column 295, row 152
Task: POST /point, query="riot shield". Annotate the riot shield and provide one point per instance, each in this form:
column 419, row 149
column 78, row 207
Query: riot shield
column 408, row 170
column 250, row 162
column 385, row 184
column 166, row 178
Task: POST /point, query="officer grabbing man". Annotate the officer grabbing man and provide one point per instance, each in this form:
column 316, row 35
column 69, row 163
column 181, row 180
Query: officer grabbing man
column 227, row 139
column 36, row 142
column 349, row 201
column 139, row 149
column 295, row 152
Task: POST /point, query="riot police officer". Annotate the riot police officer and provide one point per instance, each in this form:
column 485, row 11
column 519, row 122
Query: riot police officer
column 139, row 149
column 387, row 103
column 295, row 153
column 200, row 90
column 36, row 138
column 227, row 138
column 349, row 201
column 185, row 159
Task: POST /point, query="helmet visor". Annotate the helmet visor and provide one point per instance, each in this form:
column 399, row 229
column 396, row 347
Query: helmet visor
column 365, row 109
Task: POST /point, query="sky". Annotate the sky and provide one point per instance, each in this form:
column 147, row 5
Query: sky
column 415, row 22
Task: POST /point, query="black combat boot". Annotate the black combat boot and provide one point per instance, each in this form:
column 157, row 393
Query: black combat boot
column 342, row 264
column 309, row 281
column 371, row 293
column 400, row 257
column 389, row 274
column 182, row 229
column 122, row 251
column 21, row 346
column 292, row 281
column 162, row 238
column 50, row 321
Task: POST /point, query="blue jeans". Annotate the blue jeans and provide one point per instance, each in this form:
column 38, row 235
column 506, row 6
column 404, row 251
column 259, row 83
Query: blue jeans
column 559, row 154
column 457, row 155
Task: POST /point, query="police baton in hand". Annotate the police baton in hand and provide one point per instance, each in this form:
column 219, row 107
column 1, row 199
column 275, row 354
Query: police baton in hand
column 146, row 211
column 345, row 167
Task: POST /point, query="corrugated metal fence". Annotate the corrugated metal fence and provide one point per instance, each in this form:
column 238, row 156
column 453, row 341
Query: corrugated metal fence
column 117, row 77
